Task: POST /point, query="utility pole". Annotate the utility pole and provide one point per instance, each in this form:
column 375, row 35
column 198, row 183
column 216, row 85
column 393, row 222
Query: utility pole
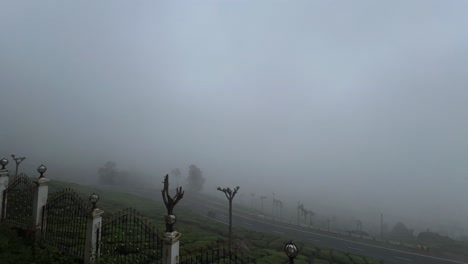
column 381, row 226
column 273, row 208
column 18, row 162
column 298, row 213
column 261, row 199
column 230, row 196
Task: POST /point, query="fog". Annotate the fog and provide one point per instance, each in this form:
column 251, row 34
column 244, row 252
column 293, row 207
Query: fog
column 351, row 107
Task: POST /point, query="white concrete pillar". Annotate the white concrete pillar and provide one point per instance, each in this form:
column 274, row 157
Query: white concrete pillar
column 171, row 247
column 41, row 191
column 3, row 185
column 93, row 236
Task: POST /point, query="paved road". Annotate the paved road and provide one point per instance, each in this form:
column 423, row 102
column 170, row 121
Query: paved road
column 316, row 238
column 290, row 232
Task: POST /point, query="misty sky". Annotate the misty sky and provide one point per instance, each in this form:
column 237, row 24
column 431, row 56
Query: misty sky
column 363, row 103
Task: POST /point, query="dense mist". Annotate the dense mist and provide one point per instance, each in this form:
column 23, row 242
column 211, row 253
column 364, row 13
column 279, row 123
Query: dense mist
column 354, row 108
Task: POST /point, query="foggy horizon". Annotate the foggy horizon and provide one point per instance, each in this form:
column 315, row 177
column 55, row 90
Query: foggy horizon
column 357, row 105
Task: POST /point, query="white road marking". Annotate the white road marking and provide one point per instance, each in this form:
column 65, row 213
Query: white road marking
column 216, row 220
column 358, row 249
column 278, row 232
column 245, row 223
column 314, row 240
column 405, row 259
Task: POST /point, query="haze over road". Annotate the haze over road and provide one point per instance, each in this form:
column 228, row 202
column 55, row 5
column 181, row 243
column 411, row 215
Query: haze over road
column 322, row 240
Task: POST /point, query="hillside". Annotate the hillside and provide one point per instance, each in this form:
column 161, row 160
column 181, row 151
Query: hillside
column 199, row 232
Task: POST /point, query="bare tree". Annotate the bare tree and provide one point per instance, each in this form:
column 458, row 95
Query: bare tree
column 170, row 203
column 279, row 207
column 306, row 213
column 300, row 212
column 311, row 214
column 230, row 196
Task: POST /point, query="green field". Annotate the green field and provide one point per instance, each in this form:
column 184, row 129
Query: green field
column 197, row 232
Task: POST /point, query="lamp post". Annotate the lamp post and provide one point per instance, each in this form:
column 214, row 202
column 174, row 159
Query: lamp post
column 230, row 196
column 3, row 162
column 94, row 198
column 41, row 169
column 291, row 251
column 18, row 162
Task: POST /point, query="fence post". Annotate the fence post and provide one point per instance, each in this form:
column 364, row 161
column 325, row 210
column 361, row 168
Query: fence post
column 41, row 192
column 4, row 173
column 93, row 236
column 171, row 247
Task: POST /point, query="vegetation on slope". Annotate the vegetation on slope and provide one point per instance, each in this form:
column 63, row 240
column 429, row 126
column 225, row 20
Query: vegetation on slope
column 197, row 232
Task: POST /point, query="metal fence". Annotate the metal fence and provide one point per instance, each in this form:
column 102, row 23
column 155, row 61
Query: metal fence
column 128, row 237
column 64, row 220
column 17, row 212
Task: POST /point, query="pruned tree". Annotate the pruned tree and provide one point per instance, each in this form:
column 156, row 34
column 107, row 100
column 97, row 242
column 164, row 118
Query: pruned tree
column 279, row 207
column 195, row 179
column 230, row 196
column 170, row 203
column 311, row 214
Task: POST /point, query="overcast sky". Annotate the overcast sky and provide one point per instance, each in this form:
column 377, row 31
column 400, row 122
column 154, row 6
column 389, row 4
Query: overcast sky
column 356, row 100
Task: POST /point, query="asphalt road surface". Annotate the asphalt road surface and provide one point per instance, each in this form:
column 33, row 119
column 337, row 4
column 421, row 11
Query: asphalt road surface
column 319, row 239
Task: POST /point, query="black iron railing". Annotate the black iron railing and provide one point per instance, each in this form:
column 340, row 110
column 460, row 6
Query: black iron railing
column 64, row 220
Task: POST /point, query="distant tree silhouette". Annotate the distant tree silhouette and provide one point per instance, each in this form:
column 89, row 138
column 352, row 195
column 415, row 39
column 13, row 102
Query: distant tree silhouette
column 108, row 174
column 434, row 238
column 176, row 173
column 195, row 180
column 401, row 232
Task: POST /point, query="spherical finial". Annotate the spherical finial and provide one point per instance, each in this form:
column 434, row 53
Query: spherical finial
column 3, row 162
column 291, row 250
column 41, row 169
column 94, row 198
column 170, row 219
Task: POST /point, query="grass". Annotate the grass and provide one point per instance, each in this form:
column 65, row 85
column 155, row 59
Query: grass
column 197, row 232
column 200, row 232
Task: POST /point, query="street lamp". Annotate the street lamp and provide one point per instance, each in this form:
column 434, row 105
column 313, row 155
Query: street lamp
column 18, row 162
column 3, row 162
column 291, row 251
column 41, row 169
column 94, row 198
